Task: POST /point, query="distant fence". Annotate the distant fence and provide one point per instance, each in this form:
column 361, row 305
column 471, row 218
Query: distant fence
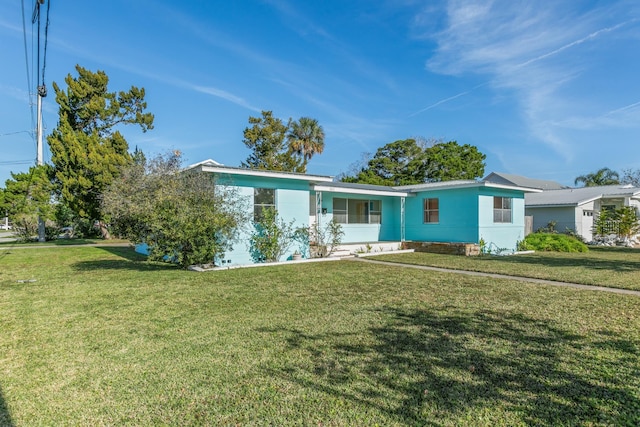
column 528, row 225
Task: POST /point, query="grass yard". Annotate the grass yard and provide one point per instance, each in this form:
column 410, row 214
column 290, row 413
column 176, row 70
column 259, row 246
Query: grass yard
column 102, row 338
column 603, row 266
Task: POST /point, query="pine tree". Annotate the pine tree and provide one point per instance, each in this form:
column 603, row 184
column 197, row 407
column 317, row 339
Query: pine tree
column 87, row 149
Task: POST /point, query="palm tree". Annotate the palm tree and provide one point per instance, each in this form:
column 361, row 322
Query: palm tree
column 604, row 176
column 306, row 138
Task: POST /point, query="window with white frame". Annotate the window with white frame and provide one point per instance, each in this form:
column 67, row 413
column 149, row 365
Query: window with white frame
column 431, row 210
column 501, row 209
column 263, row 198
column 356, row 211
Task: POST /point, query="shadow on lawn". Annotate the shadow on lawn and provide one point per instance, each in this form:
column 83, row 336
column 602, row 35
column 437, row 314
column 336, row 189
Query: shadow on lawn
column 5, row 416
column 128, row 259
column 427, row 367
column 583, row 261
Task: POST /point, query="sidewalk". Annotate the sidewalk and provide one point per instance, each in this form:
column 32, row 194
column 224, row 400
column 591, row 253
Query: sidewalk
column 504, row 276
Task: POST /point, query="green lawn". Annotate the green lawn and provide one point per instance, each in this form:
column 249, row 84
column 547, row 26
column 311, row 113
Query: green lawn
column 66, row 242
column 611, row 267
column 102, row 338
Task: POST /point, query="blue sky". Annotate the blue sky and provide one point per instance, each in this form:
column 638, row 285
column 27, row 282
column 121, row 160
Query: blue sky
column 547, row 89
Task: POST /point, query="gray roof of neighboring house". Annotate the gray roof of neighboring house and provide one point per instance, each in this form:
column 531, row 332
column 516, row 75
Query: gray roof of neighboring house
column 430, row 185
column 578, row 196
column 523, row 181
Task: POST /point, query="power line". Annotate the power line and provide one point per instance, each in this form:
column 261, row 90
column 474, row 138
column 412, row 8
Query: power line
column 17, row 132
column 26, row 60
column 46, row 39
column 17, row 162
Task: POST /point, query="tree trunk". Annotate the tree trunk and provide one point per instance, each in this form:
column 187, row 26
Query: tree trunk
column 104, row 230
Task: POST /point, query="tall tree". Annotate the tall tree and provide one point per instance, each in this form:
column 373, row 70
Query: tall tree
column 631, row 176
column 447, row 161
column 87, row 148
column 306, row 138
column 397, row 163
column 27, row 196
column 604, row 176
column 408, row 162
column 266, row 139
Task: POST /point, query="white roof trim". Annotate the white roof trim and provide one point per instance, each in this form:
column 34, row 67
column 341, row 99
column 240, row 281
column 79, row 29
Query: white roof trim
column 265, row 173
column 512, row 187
column 369, row 192
column 444, row 186
column 208, row 162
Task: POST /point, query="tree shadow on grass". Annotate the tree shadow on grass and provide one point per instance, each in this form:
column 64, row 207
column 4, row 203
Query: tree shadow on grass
column 5, row 416
column 128, row 259
column 582, row 261
column 427, row 367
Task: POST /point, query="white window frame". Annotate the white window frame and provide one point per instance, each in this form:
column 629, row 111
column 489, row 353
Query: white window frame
column 259, row 207
column 504, row 213
column 373, row 210
column 428, row 211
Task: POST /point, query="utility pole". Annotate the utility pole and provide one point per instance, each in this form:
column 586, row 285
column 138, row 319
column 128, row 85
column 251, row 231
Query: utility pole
column 42, row 92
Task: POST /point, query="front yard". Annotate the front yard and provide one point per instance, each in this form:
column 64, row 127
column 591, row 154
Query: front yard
column 102, row 338
column 602, row 266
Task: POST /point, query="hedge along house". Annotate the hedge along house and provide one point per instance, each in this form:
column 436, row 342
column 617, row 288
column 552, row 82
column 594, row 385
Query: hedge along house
column 453, row 211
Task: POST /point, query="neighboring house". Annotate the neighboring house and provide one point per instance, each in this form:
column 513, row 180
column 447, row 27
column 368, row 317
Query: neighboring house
column 576, row 208
column 454, row 211
column 523, row 181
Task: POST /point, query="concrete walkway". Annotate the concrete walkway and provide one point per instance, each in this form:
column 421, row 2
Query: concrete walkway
column 504, row 276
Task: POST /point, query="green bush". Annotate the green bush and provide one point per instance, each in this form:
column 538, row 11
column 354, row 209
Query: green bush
column 551, row 242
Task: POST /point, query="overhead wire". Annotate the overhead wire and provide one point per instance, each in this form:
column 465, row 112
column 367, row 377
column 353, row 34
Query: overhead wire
column 46, row 39
column 26, row 60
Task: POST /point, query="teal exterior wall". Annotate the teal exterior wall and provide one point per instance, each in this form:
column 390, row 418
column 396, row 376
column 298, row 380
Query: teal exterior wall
column 458, row 216
column 465, row 215
column 501, row 236
column 387, row 230
column 292, row 204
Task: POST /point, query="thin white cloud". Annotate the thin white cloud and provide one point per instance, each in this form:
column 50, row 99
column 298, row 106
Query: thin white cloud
column 302, row 24
column 525, row 47
column 634, row 106
column 575, row 43
column 122, row 65
column 445, row 100
column 219, row 93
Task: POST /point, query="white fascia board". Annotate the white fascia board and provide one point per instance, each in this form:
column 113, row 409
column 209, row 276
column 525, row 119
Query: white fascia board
column 444, row 186
column 209, row 162
column 267, row 174
column 362, row 191
column 512, row 187
column 592, row 199
column 550, row 205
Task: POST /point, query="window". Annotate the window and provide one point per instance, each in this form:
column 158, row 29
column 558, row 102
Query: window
column 587, row 213
column 501, row 209
column 340, row 210
column 431, row 210
column 263, row 198
column 358, row 211
column 354, row 211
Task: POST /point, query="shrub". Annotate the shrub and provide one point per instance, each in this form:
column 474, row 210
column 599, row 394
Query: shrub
column 272, row 237
column 324, row 241
column 551, row 242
